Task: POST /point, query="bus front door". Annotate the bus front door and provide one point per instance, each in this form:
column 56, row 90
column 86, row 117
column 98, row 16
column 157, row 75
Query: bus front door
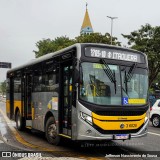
column 27, row 95
column 66, row 104
column 11, row 97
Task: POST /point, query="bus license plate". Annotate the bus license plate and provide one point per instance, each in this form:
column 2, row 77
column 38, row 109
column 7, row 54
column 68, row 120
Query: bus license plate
column 121, row 136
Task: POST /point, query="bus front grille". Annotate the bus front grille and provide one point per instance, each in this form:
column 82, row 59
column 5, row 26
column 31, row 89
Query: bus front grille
column 130, row 131
column 120, row 113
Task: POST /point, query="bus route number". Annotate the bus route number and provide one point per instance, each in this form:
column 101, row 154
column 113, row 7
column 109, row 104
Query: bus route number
column 131, row 125
column 97, row 53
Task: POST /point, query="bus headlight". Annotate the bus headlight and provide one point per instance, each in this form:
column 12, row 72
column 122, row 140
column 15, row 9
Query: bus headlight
column 86, row 117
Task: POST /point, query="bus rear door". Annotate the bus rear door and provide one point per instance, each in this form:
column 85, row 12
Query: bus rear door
column 27, row 99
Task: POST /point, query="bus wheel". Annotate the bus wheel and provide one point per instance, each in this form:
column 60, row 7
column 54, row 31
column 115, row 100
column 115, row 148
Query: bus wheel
column 19, row 122
column 156, row 121
column 51, row 132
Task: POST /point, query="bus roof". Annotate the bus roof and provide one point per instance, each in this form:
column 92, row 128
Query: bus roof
column 77, row 46
column 43, row 58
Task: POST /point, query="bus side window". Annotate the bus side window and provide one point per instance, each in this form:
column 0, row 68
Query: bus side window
column 17, row 85
column 36, row 85
column 35, row 80
column 51, row 81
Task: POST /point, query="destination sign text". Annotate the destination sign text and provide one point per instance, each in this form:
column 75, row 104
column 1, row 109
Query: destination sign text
column 114, row 54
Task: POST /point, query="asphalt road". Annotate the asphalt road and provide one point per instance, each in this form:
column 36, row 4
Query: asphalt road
column 6, row 150
column 148, row 146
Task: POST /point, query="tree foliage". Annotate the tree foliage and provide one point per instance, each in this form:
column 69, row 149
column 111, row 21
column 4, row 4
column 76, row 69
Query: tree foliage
column 147, row 40
column 3, row 87
column 97, row 38
column 46, row 46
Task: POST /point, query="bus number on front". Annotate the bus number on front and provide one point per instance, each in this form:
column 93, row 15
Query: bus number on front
column 131, row 125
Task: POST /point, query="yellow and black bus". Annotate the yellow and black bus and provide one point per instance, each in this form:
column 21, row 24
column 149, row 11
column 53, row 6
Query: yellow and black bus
column 83, row 92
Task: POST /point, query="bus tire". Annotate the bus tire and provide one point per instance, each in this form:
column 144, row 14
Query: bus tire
column 19, row 121
column 51, row 132
column 156, row 121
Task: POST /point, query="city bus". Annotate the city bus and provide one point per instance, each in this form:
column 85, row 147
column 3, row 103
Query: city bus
column 85, row 92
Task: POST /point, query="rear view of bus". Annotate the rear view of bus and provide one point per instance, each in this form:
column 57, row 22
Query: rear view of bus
column 113, row 100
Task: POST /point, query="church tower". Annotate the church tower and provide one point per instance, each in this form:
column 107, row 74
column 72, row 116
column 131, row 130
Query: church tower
column 86, row 26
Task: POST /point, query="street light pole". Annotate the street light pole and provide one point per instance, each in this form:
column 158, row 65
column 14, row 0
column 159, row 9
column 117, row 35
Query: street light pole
column 112, row 18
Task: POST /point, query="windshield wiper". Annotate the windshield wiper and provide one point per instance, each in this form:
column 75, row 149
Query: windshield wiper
column 109, row 73
column 126, row 81
column 128, row 76
column 130, row 72
column 125, row 92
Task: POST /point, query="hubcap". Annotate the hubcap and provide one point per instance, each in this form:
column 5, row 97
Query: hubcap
column 52, row 131
column 156, row 121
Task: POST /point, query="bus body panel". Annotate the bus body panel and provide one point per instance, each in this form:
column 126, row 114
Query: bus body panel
column 42, row 103
column 74, row 123
column 8, row 108
column 17, row 105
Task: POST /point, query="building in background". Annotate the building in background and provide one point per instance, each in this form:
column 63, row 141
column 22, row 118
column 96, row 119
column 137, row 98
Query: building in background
column 86, row 25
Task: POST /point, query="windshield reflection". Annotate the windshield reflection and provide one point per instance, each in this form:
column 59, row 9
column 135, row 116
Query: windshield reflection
column 97, row 86
column 136, row 86
column 101, row 83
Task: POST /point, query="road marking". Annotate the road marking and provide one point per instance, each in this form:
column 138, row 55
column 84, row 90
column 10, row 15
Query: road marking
column 154, row 133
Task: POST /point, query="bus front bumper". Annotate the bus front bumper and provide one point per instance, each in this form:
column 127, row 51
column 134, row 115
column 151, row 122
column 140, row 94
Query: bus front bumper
column 87, row 132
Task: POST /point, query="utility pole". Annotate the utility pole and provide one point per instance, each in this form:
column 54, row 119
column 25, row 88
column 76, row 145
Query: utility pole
column 112, row 18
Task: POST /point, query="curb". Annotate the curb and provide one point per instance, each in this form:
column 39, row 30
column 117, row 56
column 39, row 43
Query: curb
column 27, row 144
column 19, row 138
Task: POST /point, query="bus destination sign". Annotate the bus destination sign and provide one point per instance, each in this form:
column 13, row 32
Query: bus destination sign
column 114, row 54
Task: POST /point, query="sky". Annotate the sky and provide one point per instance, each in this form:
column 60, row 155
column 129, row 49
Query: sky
column 25, row 22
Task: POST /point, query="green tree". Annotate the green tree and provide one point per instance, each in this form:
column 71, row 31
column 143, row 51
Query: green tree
column 147, row 40
column 97, row 38
column 3, row 87
column 46, row 46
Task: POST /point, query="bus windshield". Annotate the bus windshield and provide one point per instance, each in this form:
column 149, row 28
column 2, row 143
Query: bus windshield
column 113, row 84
